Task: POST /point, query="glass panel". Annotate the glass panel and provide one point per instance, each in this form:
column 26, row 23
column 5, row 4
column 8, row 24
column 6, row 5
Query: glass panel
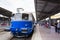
column 17, row 17
column 25, row 16
column 30, row 17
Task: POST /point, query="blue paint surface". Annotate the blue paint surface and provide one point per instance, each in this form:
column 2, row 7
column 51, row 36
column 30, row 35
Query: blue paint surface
column 16, row 26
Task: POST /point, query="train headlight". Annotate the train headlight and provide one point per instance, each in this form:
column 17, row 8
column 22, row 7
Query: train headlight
column 16, row 29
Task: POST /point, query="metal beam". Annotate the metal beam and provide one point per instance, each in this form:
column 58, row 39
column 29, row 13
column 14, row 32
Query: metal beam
column 5, row 12
column 53, row 1
column 44, row 6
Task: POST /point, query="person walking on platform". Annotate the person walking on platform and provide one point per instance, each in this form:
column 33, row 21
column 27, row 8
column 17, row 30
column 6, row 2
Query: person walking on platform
column 58, row 27
column 55, row 27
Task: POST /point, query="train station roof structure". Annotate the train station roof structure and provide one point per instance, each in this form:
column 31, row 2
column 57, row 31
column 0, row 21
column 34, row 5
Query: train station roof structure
column 46, row 8
column 5, row 12
column 3, row 19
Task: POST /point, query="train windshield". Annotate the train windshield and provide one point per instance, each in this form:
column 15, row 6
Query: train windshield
column 17, row 17
column 21, row 17
column 25, row 16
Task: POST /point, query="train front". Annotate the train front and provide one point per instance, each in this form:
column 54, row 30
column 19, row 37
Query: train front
column 21, row 24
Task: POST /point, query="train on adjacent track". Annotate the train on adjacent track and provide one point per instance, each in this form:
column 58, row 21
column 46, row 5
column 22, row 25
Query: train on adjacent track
column 22, row 24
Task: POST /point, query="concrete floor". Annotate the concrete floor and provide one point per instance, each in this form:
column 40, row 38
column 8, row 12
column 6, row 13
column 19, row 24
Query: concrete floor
column 5, row 35
column 42, row 33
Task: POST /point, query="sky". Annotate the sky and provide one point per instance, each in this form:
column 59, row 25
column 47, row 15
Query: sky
column 12, row 5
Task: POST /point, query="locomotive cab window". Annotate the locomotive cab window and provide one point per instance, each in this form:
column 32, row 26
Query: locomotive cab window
column 25, row 16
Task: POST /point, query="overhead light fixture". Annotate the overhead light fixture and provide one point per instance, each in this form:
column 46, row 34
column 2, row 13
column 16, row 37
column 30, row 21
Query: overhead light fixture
column 47, row 18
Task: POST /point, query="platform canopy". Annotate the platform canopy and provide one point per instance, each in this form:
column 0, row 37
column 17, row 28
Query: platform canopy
column 3, row 19
column 46, row 8
column 5, row 12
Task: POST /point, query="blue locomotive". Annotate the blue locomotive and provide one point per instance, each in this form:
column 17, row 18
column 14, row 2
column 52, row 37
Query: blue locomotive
column 22, row 24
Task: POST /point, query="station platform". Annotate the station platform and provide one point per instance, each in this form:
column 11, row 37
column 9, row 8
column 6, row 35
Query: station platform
column 5, row 35
column 42, row 33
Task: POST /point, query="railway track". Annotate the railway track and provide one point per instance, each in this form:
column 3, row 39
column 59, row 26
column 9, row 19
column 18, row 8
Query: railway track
column 21, row 38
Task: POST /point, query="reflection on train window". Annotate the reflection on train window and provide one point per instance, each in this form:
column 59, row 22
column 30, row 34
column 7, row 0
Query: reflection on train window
column 25, row 16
